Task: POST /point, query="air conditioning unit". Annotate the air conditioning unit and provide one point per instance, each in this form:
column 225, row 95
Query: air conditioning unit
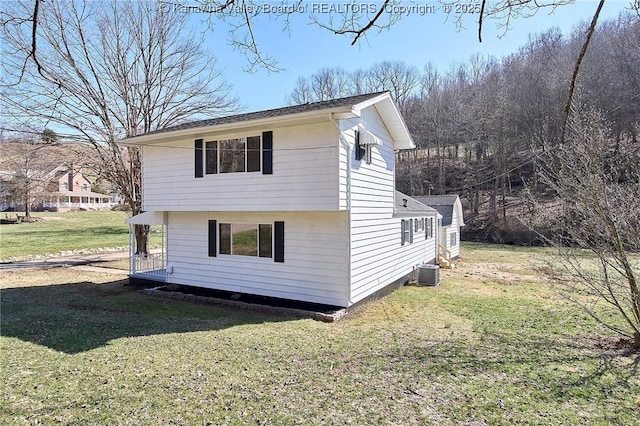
column 428, row 275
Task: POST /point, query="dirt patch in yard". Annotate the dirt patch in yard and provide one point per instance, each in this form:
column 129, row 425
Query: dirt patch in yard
column 500, row 273
column 613, row 345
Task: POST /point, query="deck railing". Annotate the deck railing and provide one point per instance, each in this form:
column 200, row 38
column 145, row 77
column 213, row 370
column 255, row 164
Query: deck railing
column 151, row 264
column 444, row 257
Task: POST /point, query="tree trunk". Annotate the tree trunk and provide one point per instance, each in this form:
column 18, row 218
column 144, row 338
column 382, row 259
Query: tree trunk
column 27, row 207
column 476, row 204
column 493, row 203
column 142, row 238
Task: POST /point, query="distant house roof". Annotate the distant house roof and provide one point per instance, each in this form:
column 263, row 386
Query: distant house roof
column 398, row 129
column 407, row 206
column 443, row 203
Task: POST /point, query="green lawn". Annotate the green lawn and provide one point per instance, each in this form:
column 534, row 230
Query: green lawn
column 60, row 232
column 491, row 345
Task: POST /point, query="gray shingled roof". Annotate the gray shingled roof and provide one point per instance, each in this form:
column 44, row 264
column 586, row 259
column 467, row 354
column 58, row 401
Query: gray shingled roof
column 443, row 203
column 413, row 206
column 277, row 112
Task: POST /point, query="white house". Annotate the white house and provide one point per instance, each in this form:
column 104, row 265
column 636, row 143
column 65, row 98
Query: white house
column 296, row 203
column 450, row 207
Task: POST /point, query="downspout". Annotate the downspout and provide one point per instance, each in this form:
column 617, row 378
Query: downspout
column 436, row 231
column 343, row 143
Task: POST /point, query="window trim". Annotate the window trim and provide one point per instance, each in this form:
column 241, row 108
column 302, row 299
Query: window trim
column 232, row 232
column 262, row 163
column 406, row 234
column 245, row 140
column 276, row 247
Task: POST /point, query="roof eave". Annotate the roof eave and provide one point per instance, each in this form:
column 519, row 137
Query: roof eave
column 315, row 116
column 400, row 134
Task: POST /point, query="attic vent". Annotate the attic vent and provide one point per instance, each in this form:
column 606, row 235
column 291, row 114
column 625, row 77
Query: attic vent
column 404, row 202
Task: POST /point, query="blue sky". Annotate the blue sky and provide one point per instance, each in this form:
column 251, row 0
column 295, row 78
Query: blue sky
column 416, row 40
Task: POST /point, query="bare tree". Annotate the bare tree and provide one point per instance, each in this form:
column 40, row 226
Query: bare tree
column 26, row 167
column 301, row 93
column 597, row 231
column 400, row 79
column 103, row 71
column 329, row 83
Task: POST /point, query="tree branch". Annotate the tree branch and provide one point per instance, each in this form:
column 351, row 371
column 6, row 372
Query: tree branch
column 480, row 20
column 576, row 69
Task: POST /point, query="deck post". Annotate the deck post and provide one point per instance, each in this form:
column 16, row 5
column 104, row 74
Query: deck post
column 132, row 250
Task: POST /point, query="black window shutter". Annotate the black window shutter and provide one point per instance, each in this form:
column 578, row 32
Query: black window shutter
column 213, row 238
column 267, row 153
column 402, row 239
column 278, row 235
column 199, row 158
column 360, row 150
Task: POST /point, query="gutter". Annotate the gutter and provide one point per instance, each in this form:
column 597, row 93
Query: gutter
column 320, row 116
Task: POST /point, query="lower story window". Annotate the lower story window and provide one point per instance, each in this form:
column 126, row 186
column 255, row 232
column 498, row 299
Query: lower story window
column 453, row 239
column 246, row 239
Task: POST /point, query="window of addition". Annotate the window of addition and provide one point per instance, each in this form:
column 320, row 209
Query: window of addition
column 406, row 231
column 453, row 239
column 429, row 228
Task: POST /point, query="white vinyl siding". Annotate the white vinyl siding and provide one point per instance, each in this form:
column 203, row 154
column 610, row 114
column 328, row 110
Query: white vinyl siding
column 452, row 232
column 342, row 241
column 315, row 259
column 377, row 256
column 305, row 175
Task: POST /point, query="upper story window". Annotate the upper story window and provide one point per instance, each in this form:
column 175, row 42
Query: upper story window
column 65, row 185
column 362, row 150
column 237, row 155
column 233, row 155
column 364, row 142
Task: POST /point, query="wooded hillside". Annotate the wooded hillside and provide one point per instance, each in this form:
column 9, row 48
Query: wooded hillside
column 481, row 125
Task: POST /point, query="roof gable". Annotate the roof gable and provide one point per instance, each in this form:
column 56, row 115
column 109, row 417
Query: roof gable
column 446, row 205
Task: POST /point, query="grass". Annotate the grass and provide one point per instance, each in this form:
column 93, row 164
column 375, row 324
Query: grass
column 63, row 232
column 491, row 345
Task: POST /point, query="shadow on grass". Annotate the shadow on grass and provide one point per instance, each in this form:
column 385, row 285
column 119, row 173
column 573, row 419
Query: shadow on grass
column 78, row 317
column 549, row 366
